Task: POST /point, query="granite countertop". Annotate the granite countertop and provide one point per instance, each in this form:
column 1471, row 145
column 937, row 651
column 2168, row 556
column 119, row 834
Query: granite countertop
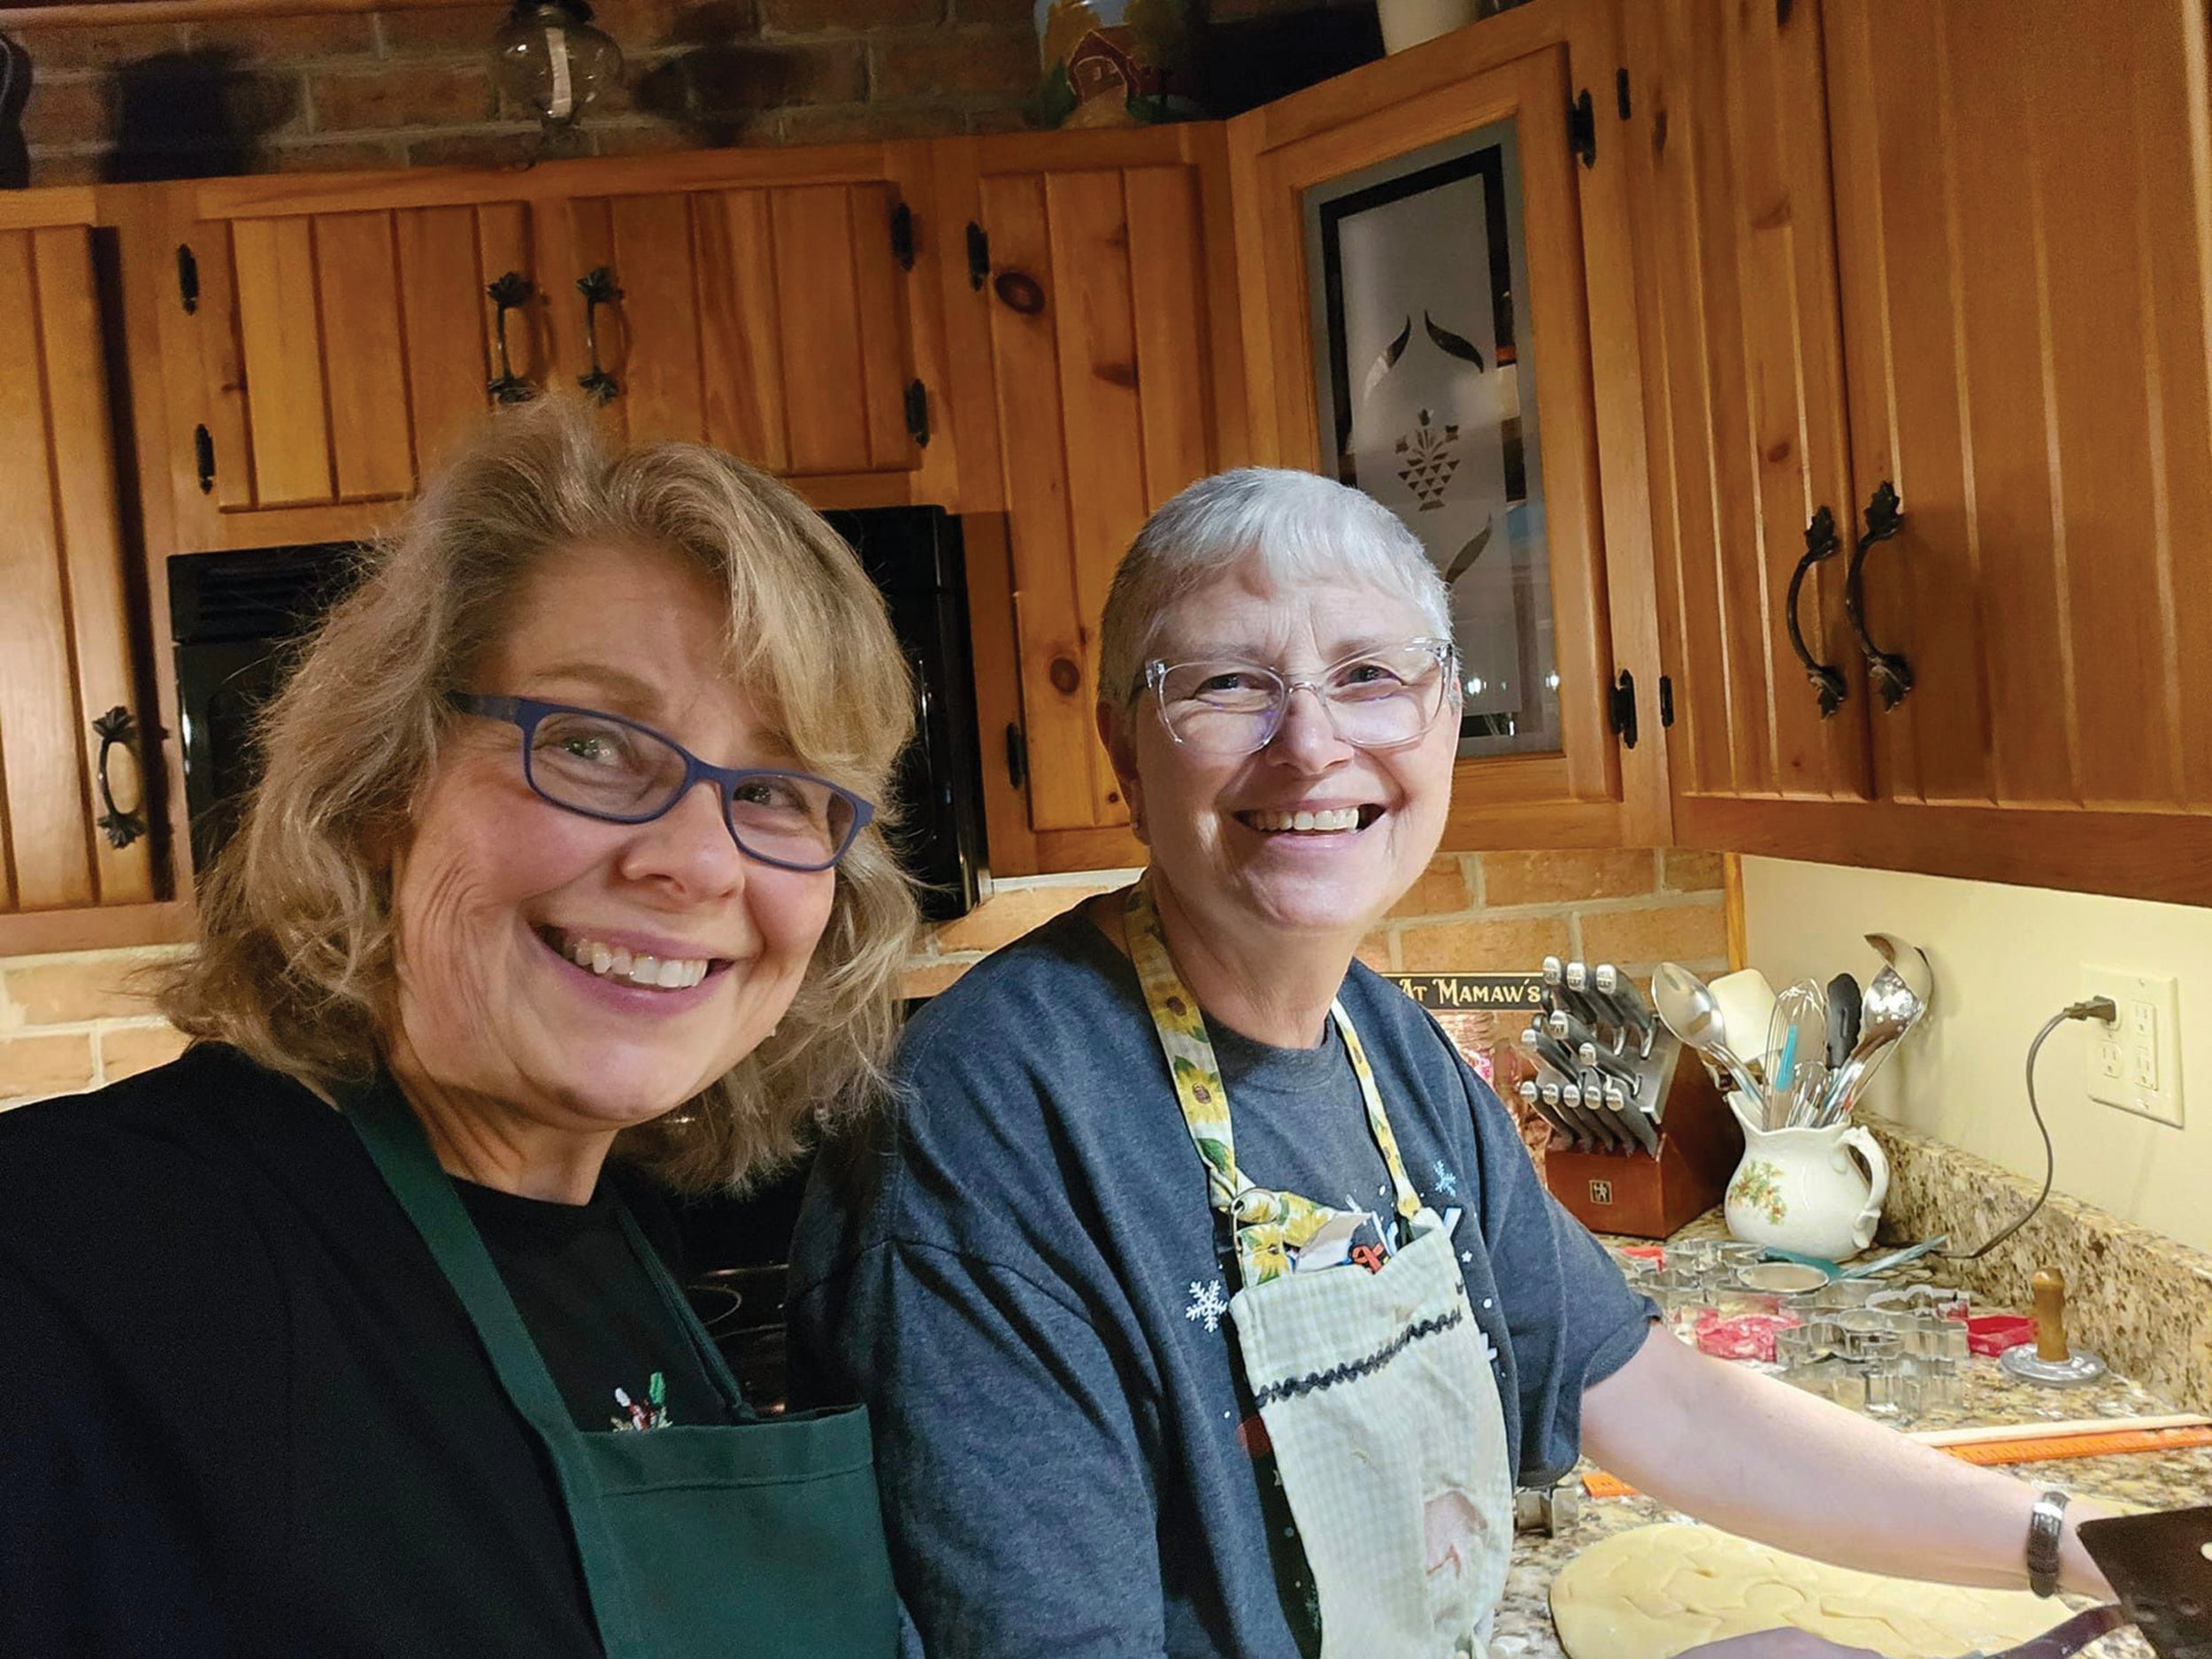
column 2136, row 1481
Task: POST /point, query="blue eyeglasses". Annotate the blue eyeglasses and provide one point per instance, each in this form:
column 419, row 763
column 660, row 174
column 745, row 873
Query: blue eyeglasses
column 606, row 768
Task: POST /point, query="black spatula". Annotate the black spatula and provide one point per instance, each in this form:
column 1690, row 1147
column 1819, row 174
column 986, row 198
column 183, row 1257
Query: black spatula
column 2161, row 1567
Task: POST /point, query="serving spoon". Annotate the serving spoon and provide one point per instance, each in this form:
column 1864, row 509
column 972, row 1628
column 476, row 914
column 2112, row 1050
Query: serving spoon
column 1894, row 1004
column 1687, row 1006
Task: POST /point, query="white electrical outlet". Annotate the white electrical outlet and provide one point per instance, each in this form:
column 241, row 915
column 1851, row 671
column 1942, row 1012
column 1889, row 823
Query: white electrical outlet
column 2135, row 1062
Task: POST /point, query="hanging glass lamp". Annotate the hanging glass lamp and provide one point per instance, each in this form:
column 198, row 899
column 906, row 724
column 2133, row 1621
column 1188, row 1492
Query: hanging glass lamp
column 547, row 56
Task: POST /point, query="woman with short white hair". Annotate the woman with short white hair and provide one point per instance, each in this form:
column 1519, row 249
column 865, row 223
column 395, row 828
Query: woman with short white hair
column 1205, row 1300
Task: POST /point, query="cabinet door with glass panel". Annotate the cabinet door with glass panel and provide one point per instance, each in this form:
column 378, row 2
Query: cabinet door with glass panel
column 1416, row 306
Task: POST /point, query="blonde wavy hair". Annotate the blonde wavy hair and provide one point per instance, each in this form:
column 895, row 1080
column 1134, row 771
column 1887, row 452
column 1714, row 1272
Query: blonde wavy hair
column 296, row 965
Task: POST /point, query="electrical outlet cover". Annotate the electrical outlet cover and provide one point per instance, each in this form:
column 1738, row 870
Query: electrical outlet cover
column 2146, row 1040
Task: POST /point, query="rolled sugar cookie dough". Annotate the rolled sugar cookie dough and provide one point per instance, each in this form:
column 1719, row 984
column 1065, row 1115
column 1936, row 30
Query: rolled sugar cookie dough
column 1651, row 1593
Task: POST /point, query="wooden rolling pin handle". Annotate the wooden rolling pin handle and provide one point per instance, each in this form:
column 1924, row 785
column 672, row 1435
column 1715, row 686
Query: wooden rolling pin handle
column 2050, row 1315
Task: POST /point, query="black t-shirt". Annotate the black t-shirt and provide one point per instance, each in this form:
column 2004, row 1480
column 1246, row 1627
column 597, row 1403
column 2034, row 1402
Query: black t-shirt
column 247, row 1413
column 599, row 1323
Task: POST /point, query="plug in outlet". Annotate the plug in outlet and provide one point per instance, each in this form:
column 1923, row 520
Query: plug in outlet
column 2135, row 1062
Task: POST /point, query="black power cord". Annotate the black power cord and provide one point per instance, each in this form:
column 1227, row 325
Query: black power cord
column 2102, row 1009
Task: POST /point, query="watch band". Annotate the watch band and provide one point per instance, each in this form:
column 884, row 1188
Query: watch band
column 2047, row 1525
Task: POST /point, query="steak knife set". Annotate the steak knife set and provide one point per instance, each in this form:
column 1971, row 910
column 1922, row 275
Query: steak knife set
column 1604, row 1061
column 1637, row 1142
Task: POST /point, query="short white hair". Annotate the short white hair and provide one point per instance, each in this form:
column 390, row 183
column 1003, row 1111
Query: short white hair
column 1290, row 527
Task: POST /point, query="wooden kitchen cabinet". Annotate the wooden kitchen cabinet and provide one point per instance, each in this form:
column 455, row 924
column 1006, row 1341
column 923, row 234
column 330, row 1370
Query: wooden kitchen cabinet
column 1089, row 302
column 1728, row 158
column 2022, row 245
column 82, row 859
column 332, row 340
column 1416, row 355
column 2024, row 228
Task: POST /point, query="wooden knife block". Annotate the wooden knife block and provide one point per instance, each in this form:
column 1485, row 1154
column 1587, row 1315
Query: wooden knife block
column 1647, row 1197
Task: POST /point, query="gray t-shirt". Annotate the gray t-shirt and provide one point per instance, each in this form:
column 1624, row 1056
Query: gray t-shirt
column 1028, row 1290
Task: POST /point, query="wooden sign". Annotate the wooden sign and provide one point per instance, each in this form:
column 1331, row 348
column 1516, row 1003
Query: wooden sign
column 1473, row 993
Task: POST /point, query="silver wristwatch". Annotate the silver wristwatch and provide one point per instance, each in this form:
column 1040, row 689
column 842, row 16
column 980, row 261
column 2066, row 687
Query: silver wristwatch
column 2047, row 1525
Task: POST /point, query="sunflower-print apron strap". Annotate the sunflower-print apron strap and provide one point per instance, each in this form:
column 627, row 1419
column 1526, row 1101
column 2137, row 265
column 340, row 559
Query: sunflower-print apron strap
column 1268, row 1226
column 1409, row 1202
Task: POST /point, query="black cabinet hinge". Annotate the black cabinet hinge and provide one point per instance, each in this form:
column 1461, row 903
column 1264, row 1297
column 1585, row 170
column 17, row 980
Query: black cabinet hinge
column 1016, row 755
column 1582, row 129
column 979, row 256
column 1623, row 709
column 188, row 280
column 1666, row 699
column 918, row 413
column 902, row 235
column 203, row 457
column 1620, row 91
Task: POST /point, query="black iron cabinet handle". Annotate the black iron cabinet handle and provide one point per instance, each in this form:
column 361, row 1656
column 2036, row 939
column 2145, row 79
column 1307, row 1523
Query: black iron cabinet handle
column 513, row 289
column 597, row 287
column 1891, row 673
column 121, row 827
column 1821, row 542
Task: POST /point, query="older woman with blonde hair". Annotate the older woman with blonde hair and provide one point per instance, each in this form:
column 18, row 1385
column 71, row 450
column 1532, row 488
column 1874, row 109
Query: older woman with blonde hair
column 565, row 883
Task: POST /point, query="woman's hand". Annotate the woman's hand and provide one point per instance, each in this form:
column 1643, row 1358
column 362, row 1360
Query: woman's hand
column 1786, row 1642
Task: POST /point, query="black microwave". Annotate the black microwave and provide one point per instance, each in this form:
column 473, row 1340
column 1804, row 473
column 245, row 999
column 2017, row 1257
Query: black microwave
column 233, row 616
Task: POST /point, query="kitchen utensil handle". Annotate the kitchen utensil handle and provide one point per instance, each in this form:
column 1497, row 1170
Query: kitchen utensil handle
column 2061, row 1641
column 1639, row 1124
column 1860, row 1140
column 1629, row 1001
column 1843, row 1018
column 2049, row 1287
column 1821, row 543
column 1891, row 673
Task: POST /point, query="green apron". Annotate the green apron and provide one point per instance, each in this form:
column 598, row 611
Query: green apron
column 760, row 1538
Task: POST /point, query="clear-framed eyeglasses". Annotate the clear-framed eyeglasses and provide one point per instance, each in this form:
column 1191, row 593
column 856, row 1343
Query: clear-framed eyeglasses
column 1384, row 697
column 606, row 768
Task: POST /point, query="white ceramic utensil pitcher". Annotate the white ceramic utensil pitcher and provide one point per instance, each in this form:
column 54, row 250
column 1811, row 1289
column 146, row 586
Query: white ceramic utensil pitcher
column 1803, row 1190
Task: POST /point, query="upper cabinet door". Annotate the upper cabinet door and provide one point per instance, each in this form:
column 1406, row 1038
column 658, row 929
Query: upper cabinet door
column 77, row 833
column 1752, row 498
column 2023, row 218
column 775, row 319
column 1090, row 305
column 331, row 341
column 320, row 363
column 1418, row 308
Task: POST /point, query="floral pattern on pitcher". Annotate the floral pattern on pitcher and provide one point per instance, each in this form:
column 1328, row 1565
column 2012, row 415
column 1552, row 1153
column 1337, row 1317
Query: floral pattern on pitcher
column 1758, row 1186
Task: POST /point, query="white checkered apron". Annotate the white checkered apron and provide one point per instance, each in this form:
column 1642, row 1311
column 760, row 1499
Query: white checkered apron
column 1373, row 1386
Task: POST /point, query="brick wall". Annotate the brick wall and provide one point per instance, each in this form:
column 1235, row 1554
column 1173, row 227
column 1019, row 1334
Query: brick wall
column 413, row 88
column 75, row 1022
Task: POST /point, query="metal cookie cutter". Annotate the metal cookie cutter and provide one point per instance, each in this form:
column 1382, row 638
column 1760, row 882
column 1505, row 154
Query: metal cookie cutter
column 1550, row 1510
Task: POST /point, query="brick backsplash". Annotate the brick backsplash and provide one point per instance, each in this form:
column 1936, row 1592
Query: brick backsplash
column 75, row 1022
